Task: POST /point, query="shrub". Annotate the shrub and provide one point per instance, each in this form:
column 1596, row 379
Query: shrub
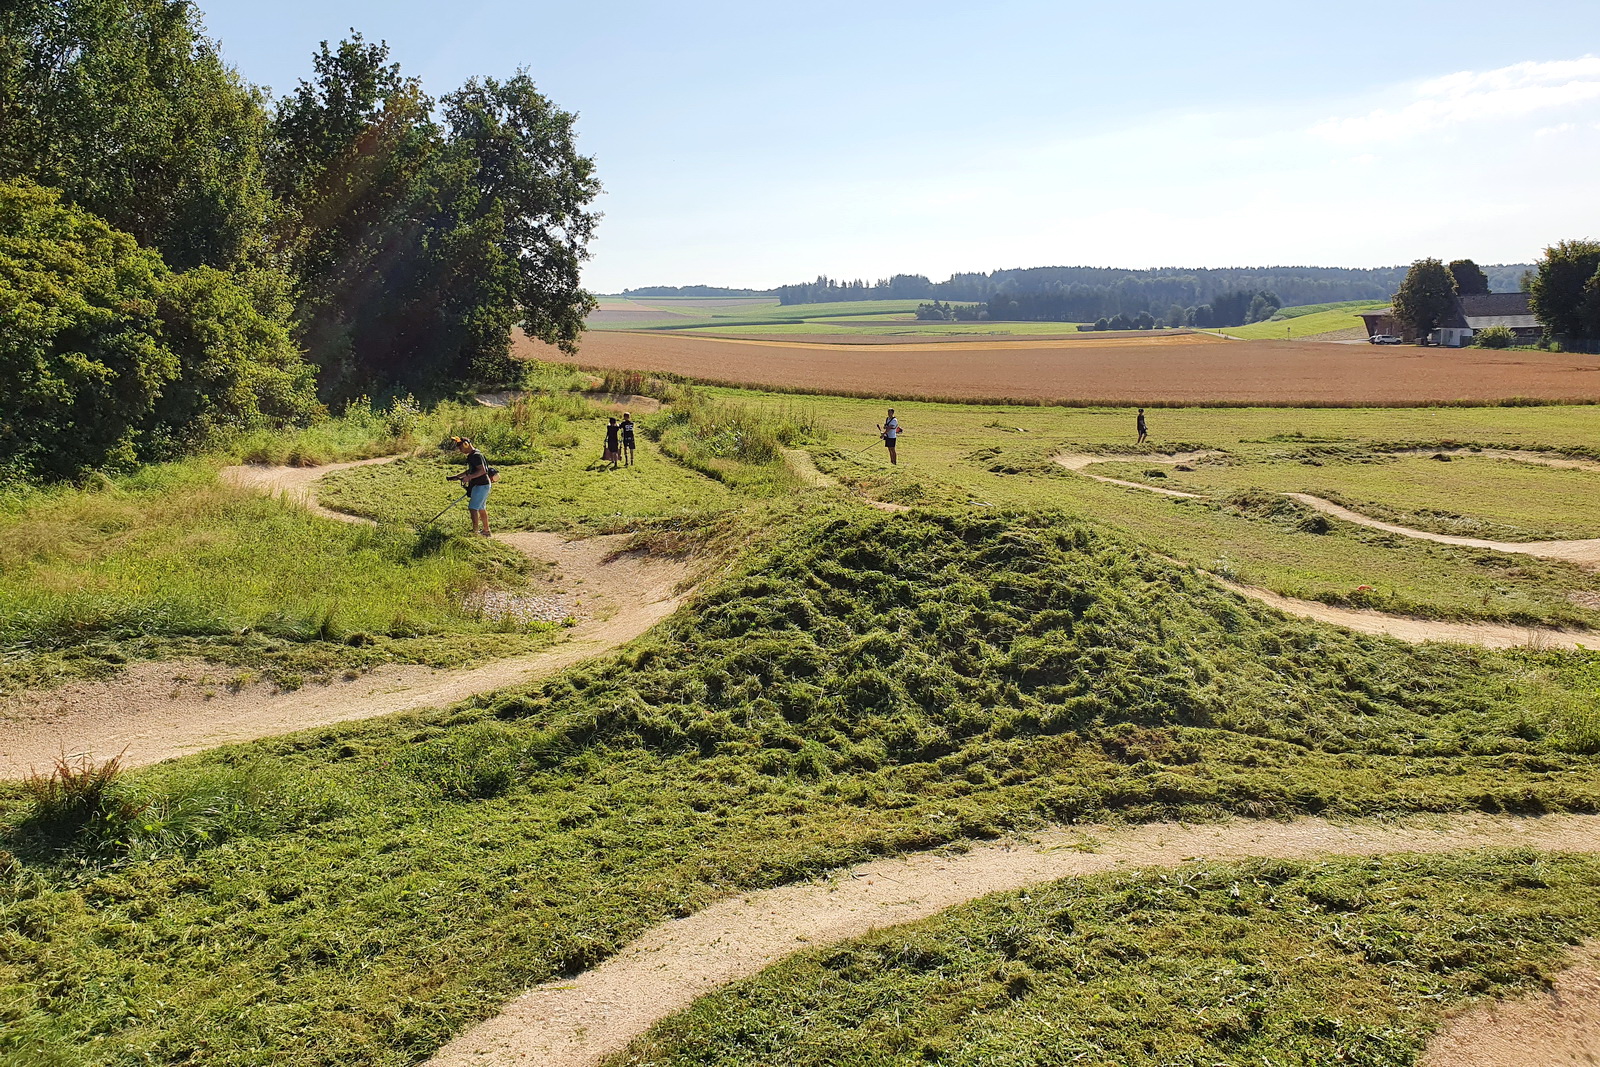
column 1494, row 337
column 108, row 358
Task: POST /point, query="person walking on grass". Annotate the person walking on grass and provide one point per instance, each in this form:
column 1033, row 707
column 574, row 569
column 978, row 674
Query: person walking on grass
column 1143, row 429
column 475, row 479
column 627, row 439
column 613, row 452
column 891, row 431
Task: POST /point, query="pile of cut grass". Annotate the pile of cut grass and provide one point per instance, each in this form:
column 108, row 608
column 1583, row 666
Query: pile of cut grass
column 1266, row 962
column 865, row 684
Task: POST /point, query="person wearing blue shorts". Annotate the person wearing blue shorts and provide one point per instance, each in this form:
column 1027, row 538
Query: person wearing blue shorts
column 476, row 480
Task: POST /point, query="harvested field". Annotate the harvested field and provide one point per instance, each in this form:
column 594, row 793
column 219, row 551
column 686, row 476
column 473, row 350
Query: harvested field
column 1177, row 368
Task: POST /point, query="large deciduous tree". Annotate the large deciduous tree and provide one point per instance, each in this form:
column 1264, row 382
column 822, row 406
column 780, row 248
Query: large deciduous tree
column 1468, row 277
column 1565, row 290
column 419, row 245
column 1424, row 298
column 126, row 108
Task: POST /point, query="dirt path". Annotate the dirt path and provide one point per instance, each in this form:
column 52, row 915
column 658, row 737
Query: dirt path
column 1585, row 553
column 578, row 1022
column 155, row 711
column 1409, row 628
column 1404, row 627
column 805, row 468
column 296, row 483
column 1519, row 455
column 1559, row 1027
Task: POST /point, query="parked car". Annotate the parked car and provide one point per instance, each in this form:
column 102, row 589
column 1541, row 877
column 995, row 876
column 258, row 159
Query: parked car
column 1385, row 339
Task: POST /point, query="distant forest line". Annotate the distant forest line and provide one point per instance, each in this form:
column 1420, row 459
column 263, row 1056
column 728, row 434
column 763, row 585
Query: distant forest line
column 1086, row 294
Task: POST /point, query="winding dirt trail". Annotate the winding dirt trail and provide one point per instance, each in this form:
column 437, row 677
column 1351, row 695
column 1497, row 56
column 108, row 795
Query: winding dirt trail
column 579, row 1022
column 1362, row 620
column 1585, row 553
column 154, row 711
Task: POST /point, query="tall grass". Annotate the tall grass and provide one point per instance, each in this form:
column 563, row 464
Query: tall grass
column 739, row 444
column 168, row 551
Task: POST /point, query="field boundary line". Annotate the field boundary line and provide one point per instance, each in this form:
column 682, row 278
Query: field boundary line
column 578, row 1022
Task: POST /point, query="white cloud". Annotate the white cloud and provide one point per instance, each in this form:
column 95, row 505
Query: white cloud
column 1474, row 96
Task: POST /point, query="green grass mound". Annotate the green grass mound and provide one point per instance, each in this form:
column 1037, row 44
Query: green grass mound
column 866, row 684
column 1350, row 962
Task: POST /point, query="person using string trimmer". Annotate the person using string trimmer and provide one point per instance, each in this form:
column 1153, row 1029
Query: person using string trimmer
column 891, row 431
column 477, row 479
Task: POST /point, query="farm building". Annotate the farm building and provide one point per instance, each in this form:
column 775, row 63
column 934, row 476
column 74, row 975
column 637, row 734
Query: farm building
column 1469, row 315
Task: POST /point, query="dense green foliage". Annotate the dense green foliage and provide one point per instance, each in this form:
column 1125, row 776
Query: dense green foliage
column 125, row 107
column 1424, row 298
column 866, row 683
column 413, row 244
column 1213, row 965
column 1565, row 291
column 108, row 358
column 1467, row 277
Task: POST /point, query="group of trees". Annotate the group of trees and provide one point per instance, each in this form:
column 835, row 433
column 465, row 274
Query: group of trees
column 1084, row 294
column 182, row 255
column 1565, row 293
column 1080, row 304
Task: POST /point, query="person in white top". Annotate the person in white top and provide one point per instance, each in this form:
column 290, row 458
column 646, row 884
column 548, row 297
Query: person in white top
column 891, row 431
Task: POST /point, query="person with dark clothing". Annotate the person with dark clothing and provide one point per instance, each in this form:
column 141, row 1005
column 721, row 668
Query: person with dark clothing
column 1143, row 429
column 613, row 451
column 475, row 479
column 627, row 439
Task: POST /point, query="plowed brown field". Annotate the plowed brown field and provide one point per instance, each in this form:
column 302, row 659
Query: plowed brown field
column 1164, row 368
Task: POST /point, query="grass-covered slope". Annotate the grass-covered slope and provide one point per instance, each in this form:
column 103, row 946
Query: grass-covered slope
column 1346, row 961
column 867, row 683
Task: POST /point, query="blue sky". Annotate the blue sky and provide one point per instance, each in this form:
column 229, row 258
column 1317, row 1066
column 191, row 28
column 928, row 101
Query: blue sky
column 757, row 144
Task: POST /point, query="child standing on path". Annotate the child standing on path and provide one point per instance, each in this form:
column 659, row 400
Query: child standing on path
column 891, row 433
column 613, row 451
column 1143, row 430
column 627, row 439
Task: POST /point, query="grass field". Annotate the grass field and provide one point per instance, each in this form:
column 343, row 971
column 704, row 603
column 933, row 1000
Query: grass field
column 168, row 562
column 754, row 317
column 1233, row 964
column 1019, row 650
column 865, row 683
column 996, row 456
column 1311, row 320
column 769, row 318
column 1471, row 496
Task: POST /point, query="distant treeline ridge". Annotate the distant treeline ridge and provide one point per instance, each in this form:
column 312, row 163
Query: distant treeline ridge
column 1085, row 294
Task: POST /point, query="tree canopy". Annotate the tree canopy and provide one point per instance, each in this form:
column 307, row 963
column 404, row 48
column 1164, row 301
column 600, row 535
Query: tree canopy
column 125, row 107
column 1425, row 297
column 199, row 236
column 1469, row 278
column 417, row 245
column 1565, row 290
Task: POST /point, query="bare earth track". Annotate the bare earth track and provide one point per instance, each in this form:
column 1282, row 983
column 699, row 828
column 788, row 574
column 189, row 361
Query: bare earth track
column 1171, row 368
column 579, row 1022
column 155, row 711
